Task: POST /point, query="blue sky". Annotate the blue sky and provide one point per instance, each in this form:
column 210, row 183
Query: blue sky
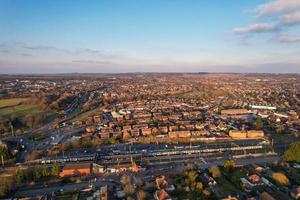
column 58, row 36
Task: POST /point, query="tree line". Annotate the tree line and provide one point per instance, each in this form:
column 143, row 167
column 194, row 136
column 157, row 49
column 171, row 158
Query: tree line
column 25, row 176
column 17, row 124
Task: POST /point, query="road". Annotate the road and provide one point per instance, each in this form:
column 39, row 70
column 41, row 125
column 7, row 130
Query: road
column 66, row 188
column 244, row 161
column 48, row 130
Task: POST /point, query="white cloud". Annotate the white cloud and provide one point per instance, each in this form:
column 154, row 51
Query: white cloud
column 276, row 7
column 284, row 14
column 288, row 38
column 42, row 51
column 291, row 18
column 257, row 28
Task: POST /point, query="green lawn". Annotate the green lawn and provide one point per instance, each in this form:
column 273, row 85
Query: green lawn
column 181, row 195
column 13, row 108
column 19, row 107
column 230, row 181
column 227, row 186
column 20, row 110
column 12, row 102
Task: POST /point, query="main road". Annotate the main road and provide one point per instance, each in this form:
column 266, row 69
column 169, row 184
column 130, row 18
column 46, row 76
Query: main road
column 40, row 191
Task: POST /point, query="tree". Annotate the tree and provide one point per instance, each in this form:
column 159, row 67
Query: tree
column 45, row 172
column 55, row 105
column 55, row 169
column 65, row 146
column 229, row 164
column 279, row 129
column 4, row 151
column 6, row 186
column 190, row 180
column 111, row 141
column 29, row 121
column 220, row 108
column 39, row 119
column 190, row 167
column 128, row 189
column 280, row 178
column 125, row 179
column 293, row 152
column 96, row 141
column 199, row 187
column 22, row 176
column 215, row 171
column 12, row 123
column 127, row 186
column 34, row 155
column 258, row 123
column 139, row 182
column 3, row 125
column 87, row 105
column 141, row 195
column 38, row 172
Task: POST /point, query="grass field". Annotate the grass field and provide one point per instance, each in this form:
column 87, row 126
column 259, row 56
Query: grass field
column 227, row 186
column 12, row 102
column 18, row 107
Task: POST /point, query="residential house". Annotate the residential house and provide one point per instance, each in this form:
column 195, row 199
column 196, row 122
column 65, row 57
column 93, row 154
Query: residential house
column 76, row 169
column 161, row 195
column 295, row 193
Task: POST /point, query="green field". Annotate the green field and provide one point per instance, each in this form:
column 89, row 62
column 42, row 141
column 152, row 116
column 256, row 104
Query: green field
column 18, row 107
column 16, row 110
column 12, row 102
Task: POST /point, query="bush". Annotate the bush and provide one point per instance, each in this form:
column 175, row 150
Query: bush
column 293, row 152
column 4, row 151
column 111, row 141
column 55, row 169
column 258, row 123
column 6, row 186
column 229, row 164
column 215, row 171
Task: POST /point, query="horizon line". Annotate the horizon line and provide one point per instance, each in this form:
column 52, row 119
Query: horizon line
column 108, row 73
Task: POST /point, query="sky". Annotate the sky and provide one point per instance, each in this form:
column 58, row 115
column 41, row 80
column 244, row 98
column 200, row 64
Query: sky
column 119, row 36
